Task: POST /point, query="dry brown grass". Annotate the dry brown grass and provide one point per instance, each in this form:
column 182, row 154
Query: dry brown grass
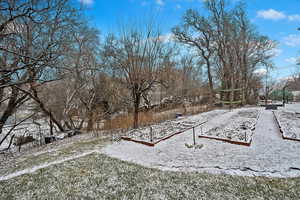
column 147, row 118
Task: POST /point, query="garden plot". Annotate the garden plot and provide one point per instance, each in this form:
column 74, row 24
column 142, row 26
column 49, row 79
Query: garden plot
column 153, row 134
column 269, row 155
column 289, row 123
column 238, row 128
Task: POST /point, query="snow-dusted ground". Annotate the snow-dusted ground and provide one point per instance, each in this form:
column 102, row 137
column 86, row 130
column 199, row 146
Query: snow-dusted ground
column 237, row 125
column 269, row 155
column 39, row 129
column 290, row 123
column 44, row 165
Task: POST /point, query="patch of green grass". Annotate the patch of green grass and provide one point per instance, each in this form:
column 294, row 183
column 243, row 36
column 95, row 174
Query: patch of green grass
column 98, row 176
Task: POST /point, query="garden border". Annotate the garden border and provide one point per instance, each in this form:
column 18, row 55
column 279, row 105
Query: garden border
column 248, row 144
column 281, row 131
column 227, row 140
column 152, row 144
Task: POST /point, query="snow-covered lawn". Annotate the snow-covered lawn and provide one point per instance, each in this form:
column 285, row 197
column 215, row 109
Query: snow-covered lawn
column 269, row 155
column 97, row 176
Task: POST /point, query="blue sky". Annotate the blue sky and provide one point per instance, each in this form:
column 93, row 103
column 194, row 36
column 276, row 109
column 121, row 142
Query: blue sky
column 278, row 19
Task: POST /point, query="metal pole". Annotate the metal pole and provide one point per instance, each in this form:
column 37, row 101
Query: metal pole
column 283, row 96
column 151, row 135
column 40, row 131
column 194, row 136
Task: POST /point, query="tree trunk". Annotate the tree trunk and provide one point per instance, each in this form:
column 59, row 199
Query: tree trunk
column 210, row 81
column 90, row 124
column 10, row 108
column 43, row 108
column 136, row 110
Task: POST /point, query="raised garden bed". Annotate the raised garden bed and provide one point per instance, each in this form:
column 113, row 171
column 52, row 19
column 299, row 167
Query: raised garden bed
column 289, row 124
column 239, row 129
column 154, row 134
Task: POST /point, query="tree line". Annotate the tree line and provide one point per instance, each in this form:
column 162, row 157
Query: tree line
column 51, row 57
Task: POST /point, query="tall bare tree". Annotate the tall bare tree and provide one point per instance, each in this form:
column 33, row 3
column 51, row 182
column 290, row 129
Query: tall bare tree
column 229, row 44
column 196, row 32
column 34, row 35
column 137, row 55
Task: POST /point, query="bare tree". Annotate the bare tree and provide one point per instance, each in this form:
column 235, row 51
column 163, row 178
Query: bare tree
column 229, row 44
column 196, row 31
column 34, row 35
column 137, row 55
column 82, row 65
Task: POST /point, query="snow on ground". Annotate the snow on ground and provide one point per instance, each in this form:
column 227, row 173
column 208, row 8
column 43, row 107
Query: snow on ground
column 44, row 165
column 269, row 155
column 236, row 125
column 38, row 130
column 169, row 127
column 290, row 123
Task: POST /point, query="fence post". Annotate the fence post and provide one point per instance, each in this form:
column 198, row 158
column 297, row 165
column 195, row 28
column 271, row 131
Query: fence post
column 194, row 136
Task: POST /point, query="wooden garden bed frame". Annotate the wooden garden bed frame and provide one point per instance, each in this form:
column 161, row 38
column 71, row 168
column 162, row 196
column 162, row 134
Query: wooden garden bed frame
column 152, row 144
column 231, row 141
column 227, row 140
column 281, row 131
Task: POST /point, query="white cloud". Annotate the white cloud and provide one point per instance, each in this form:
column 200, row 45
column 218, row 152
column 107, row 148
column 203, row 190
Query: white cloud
column 294, row 17
column 275, row 52
column 292, row 60
column 86, row 2
column 160, row 2
column 286, row 78
column 292, row 40
column 276, row 15
column 167, row 37
column 271, row 14
column 260, row 72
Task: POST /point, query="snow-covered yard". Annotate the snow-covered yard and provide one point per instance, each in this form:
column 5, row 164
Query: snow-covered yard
column 269, row 155
column 75, row 168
